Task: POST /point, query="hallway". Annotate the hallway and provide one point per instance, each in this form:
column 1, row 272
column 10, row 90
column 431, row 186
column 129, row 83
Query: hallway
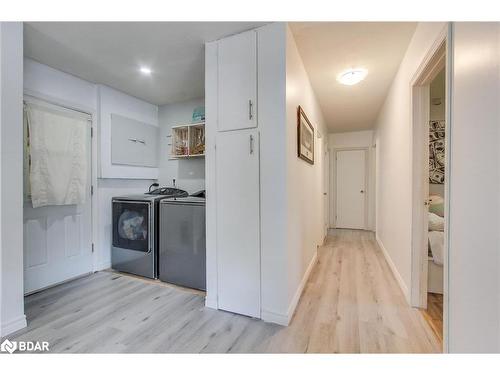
column 351, row 304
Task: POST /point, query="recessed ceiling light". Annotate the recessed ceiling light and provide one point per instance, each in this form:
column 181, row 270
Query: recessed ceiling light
column 145, row 70
column 352, row 76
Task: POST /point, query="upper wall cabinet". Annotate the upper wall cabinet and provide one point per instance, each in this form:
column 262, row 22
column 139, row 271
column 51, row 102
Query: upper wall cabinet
column 128, row 136
column 133, row 142
column 237, row 82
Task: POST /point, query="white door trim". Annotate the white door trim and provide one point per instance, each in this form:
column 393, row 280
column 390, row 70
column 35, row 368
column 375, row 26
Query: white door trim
column 437, row 57
column 333, row 192
column 94, row 142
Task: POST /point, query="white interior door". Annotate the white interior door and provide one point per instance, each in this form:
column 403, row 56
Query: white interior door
column 58, row 239
column 238, row 222
column 326, row 188
column 351, row 189
column 237, row 82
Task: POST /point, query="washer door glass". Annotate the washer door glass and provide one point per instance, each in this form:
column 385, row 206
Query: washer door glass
column 131, row 225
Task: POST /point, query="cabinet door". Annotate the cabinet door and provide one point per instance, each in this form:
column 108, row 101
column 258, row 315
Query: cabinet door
column 238, row 222
column 133, row 142
column 237, row 82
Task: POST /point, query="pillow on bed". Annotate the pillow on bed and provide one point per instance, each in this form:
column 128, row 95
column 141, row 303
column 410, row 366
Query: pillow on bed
column 436, row 223
column 436, row 205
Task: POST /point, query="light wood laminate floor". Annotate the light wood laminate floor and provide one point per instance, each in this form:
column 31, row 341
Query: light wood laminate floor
column 350, row 304
column 434, row 313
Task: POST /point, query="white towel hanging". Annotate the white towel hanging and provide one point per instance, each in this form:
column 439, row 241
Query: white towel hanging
column 59, row 153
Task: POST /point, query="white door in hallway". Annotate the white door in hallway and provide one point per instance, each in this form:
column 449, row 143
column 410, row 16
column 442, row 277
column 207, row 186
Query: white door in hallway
column 326, row 188
column 351, row 189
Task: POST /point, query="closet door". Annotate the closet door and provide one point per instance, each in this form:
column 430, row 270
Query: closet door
column 238, row 234
column 237, row 82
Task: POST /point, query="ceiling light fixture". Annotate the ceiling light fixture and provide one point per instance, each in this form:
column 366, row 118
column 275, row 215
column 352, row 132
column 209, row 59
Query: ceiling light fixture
column 145, row 70
column 352, row 76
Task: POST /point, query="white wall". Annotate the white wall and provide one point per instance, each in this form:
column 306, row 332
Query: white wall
column 12, row 315
column 188, row 173
column 211, row 104
column 438, row 91
column 305, row 207
column 66, row 89
column 273, row 158
column 359, row 139
column 474, row 241
column 47, row 82
column 393, row 168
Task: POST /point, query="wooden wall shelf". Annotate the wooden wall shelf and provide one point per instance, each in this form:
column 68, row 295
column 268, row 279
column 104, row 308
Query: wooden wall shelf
column 188, row 141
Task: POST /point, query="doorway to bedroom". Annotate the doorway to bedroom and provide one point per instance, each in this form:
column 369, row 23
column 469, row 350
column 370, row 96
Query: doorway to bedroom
column 430, row 132
column 437, row 166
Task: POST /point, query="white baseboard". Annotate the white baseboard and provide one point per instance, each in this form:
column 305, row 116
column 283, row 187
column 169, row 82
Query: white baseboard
column 285, row 319
column 394, row 270
column 302, row 285
column 273, row 317
column 211, row 302
column 14, row 325
column 102, row 266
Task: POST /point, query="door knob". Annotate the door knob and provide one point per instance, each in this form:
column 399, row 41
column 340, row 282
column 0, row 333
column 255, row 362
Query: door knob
column 361, row 191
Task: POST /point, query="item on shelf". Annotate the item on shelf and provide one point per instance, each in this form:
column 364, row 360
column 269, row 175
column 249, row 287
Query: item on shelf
column 180, row 141
column 188, row 140
column 197, row 137
column 198, row 114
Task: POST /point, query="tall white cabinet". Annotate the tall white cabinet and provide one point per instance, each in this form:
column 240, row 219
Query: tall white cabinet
column 233, row 158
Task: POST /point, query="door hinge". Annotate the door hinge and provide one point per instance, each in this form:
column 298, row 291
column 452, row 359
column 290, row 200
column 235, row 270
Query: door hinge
column 92, row 247
column 91, row 132
column 91, row 189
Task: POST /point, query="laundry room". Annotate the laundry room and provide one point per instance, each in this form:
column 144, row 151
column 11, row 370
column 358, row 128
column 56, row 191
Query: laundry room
column 141, row 119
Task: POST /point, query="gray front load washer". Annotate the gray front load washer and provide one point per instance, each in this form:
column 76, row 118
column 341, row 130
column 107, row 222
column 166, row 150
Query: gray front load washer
column 182, row 257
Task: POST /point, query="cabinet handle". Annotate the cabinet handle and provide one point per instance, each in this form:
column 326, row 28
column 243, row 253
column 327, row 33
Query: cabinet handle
column 132, row 140
column 250, row 110
column 251, row 144
column 141, row 141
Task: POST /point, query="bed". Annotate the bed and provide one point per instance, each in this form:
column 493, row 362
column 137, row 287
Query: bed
column 436, row 245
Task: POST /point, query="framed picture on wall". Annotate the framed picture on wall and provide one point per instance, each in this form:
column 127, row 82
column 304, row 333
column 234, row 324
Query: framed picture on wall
column 305, row 137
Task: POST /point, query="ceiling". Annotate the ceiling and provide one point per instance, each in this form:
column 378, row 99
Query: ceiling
column 111, row 53
column 329, row 48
